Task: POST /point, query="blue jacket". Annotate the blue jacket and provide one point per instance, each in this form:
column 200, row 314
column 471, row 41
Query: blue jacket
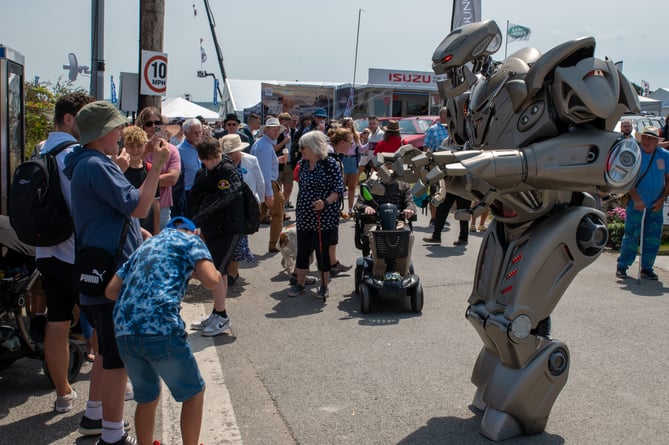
column 102, row 200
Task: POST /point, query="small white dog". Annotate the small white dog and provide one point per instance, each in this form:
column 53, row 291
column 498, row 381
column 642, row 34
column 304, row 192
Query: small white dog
column 288, row 248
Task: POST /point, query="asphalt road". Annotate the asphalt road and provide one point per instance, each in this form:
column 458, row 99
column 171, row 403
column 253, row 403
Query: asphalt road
column 297, row 371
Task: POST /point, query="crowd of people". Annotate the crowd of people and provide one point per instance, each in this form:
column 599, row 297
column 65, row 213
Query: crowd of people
column 163, row 199
column 171, row 212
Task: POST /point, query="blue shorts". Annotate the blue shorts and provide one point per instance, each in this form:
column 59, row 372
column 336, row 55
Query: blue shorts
column 148, row 358
column 350, row 164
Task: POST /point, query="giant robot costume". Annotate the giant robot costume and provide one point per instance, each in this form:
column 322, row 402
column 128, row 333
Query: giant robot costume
column 537, row 139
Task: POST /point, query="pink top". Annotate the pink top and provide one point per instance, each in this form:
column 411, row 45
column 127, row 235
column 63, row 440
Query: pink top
column 173, row 163
column 351, row 151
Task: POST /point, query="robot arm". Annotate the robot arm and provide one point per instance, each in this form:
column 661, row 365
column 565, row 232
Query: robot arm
column 572, row 161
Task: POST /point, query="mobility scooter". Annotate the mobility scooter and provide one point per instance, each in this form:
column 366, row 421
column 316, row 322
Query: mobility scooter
column 390, row 244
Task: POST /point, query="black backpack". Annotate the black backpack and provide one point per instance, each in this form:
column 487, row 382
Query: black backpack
column 37, row 209
column 251, row 210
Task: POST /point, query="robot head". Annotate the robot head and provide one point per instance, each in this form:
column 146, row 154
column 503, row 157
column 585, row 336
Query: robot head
column 472, row 43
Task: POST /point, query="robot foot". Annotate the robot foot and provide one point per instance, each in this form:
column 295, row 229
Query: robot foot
column 498, row 425
column 478, row 402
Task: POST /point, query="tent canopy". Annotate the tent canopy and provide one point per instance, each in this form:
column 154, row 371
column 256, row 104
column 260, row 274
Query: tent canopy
column 180, row 107
column 651, row 105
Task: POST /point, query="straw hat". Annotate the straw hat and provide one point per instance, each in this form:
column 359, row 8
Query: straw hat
column 232, row 142
column 652, row 132
column 271, row 122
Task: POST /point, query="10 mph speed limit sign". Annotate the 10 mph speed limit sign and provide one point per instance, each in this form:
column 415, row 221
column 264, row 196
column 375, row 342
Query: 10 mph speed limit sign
column 154, row 73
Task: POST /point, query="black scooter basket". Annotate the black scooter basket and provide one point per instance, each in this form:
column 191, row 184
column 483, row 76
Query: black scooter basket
column 392, row 243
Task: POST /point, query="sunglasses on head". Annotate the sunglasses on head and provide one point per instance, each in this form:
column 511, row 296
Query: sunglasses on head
column 150, row 124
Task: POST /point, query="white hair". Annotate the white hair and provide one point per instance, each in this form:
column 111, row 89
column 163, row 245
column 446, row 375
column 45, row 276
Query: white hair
column 189, row 123
column 317, row 142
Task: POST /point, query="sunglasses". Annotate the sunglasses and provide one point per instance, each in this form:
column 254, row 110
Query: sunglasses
column 231, row 124
column 149, row 124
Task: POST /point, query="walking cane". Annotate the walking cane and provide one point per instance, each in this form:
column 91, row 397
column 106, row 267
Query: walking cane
column 320, row 249
column 643, row 223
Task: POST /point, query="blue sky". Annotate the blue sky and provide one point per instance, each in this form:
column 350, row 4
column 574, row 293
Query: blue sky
column 294, row 40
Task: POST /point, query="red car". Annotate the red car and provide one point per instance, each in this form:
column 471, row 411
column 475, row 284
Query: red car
column 412, row 129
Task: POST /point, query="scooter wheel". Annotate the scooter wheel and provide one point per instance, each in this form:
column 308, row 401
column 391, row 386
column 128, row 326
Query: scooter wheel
column 365, row 299
column 358, row 277
column 417, row 299
column 74, row 365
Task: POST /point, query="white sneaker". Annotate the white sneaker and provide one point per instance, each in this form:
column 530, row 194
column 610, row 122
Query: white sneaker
column 65, row 403
column 216, row 326
column 200, row 325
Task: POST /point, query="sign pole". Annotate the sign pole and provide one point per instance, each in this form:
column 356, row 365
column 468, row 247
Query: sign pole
column 151, row 27
column 97, row 49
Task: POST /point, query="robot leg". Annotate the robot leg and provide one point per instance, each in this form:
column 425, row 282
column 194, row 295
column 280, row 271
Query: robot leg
column 484, row 367
column 518, row 401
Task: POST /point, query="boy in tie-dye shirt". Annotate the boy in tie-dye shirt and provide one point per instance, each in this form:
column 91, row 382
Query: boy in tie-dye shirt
column 150, row 333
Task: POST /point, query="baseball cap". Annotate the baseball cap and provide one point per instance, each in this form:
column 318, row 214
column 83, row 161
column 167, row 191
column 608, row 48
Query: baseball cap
column 181, row 222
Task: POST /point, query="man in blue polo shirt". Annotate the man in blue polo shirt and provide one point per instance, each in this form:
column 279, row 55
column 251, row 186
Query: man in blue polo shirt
column 190, row 164
column 438, row 132
column 263, row 149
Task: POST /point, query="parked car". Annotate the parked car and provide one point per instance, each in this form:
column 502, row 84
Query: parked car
column 412, row 129
column 641, row 121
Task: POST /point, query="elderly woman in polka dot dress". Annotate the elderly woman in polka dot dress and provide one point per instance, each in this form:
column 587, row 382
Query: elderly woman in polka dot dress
column 317, row 210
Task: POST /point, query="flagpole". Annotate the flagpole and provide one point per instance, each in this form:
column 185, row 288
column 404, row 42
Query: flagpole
column 355, row 62
column 506, row 38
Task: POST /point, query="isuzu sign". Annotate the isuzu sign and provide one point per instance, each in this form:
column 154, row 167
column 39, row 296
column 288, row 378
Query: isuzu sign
column 401, row 78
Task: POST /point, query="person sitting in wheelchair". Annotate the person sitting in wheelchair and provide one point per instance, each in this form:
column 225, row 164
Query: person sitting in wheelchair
column 384, row 191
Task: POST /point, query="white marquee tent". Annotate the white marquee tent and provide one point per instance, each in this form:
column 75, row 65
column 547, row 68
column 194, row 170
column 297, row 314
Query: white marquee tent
column 650, row 105
column 180, row 107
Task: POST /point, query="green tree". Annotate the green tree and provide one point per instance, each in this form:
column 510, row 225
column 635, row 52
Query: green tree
column 41, row 99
